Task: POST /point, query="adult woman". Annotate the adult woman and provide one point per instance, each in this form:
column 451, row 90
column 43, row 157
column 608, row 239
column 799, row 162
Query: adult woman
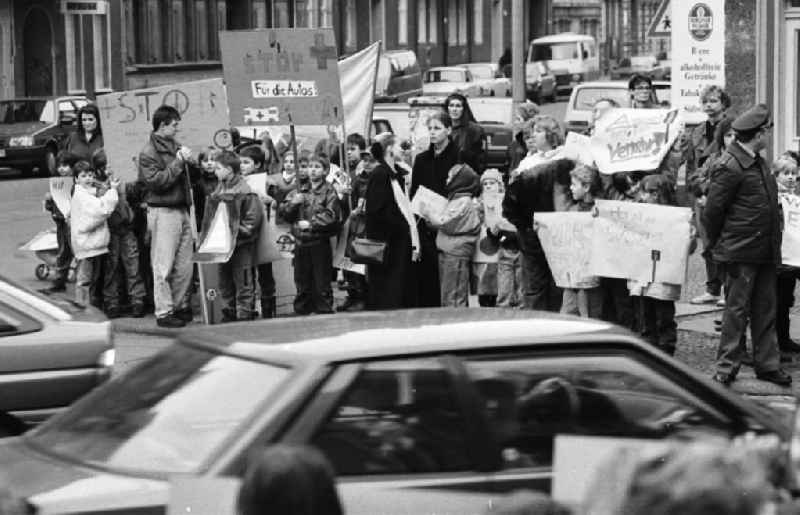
column 389, row 218
column 466, row 134
column 430, row 170
column 88, row 138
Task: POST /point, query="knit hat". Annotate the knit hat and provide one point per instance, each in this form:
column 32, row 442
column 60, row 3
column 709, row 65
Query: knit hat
column 491, row 174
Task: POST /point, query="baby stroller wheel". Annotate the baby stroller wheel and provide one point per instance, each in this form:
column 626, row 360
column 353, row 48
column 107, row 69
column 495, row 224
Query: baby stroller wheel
column 42, row 271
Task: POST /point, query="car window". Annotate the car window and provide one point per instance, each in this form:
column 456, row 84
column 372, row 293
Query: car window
column 397, row 417
column 13, row 322
column 16, row 111
column 445, row 76
column 530, row 400
column 481, row 72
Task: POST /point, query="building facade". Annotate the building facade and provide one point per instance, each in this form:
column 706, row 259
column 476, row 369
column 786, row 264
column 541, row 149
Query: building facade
column 579, row 16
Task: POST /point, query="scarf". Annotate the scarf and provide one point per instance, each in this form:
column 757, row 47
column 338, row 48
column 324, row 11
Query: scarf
column 404, row 205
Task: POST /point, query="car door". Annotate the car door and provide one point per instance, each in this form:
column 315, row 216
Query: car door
column 531, row 397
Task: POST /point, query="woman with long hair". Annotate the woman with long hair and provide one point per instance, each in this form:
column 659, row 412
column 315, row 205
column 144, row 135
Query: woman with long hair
column 88, row 137
column 466, row 134
column 390, row 285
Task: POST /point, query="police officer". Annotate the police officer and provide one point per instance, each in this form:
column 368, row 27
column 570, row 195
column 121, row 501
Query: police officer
column 744, row 232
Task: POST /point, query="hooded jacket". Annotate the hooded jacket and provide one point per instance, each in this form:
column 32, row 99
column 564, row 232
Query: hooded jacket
column 163, row 174
column 460, row 224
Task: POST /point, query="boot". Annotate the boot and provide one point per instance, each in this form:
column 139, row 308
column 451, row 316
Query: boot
column 268, row 307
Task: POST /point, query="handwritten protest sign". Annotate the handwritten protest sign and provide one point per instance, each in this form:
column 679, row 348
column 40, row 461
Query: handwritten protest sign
column 60, row 191
column 126, row 118
column 428, row 204
column 282, row 76
column 634, row 139
column 578, row 147
column 643, row 242
column 790, row 247
column 567, row 242
column 492, row 208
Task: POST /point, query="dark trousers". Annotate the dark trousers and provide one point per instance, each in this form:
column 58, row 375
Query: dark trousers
column 658, row 324
column 312, row 279
column 427, row 270
column 540, row 289
column 750, row 292
column 121, row 267
column 237, row 289
column 617, row 302
column 787, row 278
column 64, row 256
column 356, row 285
column 715, row 274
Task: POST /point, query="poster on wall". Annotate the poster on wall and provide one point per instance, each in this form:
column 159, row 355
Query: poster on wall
column 698, row 52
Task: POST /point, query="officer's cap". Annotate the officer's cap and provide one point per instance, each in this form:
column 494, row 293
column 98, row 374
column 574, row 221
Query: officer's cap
column 753, row 119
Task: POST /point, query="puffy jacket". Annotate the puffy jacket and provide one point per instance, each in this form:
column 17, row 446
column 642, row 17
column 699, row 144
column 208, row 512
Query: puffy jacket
column 163, row 174
column 88, row 215
column 742, row 216
column 320, row 207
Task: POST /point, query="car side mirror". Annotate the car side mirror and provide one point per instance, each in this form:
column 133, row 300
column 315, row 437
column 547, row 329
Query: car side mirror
column 67, row 119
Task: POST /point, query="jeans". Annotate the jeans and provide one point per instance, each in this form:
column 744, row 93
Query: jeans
column 171, row 258
column 510, row 290
column 749, row 292
column 657, row 323
column 64, row 256
column 312, row 279
column 237, row 289
column 85, row 277
column 454, row 274
column 585, row 302
column 122, row 250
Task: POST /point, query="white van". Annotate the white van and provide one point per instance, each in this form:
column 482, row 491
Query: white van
column 573, row 58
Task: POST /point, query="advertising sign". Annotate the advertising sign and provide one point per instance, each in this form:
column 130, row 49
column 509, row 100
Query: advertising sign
column 698, row 52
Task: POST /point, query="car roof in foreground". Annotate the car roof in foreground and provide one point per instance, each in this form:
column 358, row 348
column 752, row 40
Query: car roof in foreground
column 387, row 333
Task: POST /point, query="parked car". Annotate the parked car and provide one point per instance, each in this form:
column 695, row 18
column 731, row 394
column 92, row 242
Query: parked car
column 402, row 404
column 33, row 129
column 443, row 80
column 490, row 79
column 574, row 58
column 581, row 101
column 399, row 76
column 540, row 83
column 51, row 353
column 637, row 64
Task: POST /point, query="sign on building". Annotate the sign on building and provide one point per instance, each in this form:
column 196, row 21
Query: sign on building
column 282, row 77
column 661, row 24
column 698, row 52
column 71, row 7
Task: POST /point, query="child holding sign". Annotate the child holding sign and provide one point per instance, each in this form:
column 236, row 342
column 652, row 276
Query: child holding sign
column 61, row 186
column 785, row 168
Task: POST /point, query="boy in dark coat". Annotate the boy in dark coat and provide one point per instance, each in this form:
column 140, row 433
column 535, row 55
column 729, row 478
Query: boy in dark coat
column 65, row 162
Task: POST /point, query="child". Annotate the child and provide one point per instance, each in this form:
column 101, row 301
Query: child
column 237, row 285
column 657, row 300
column 585, row 297
column 485, row 261
column 458, row 230
column 785, row 168
column 123, row 252
column 65, row 161
column 88, row 228
column 253, row 162
column 281, row 185
column 315, row 215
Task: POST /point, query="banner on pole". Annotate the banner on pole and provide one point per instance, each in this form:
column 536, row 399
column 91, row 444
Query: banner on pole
column 357, row 83
column 642, row 242
column 126, row 118
column 566, row 238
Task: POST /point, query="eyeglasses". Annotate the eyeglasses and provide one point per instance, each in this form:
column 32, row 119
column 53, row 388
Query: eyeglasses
column 642, row 88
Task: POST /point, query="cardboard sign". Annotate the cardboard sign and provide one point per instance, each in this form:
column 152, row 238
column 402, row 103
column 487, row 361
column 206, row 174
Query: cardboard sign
column 567, row 242
column 642, row 242
column 492, row 208
column 126, row 119
column 628, row 140
column 428, row 204
column 282, row 76
column 218, row 239
column 790, row 246
column 258, row 183
column 578, row 147
column 60, row 191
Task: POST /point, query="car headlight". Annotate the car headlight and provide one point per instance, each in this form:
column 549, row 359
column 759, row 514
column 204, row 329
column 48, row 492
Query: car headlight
column 21, row 141
column 107, row 358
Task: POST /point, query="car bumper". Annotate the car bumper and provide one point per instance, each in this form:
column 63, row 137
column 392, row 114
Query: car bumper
column 19, row 157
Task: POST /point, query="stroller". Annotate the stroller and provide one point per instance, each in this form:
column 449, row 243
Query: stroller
column 45, row 246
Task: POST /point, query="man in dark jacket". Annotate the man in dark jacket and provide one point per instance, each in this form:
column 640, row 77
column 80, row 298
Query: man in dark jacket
column 744, row 231
column 163, row 167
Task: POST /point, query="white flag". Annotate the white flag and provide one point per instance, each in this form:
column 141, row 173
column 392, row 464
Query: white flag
column 357, row 80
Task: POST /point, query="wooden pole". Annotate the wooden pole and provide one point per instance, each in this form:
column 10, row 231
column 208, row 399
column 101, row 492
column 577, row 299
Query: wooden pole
column 518, row 45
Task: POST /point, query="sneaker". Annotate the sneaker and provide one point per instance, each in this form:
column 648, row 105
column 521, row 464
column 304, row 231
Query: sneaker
column 779, row 377
column 705, row 298
column 721, row 303
column 170, row 321
column 184, row 314
column 137, row 310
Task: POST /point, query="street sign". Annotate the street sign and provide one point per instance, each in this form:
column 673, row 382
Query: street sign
column 661, row 24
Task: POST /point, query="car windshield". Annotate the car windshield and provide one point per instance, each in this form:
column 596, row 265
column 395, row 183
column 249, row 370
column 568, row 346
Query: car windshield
column 444, row 76
column 553, row 51
column 482, row 72
column 16, row 111
column 643, row 62
column 170, row 414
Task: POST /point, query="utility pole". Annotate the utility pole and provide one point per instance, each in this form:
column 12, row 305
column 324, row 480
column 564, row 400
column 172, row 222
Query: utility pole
column 517, row 51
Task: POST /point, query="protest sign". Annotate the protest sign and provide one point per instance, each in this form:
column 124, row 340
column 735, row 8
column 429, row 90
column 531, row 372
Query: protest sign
column 282, row 76
column 258, row 183
column 60, row 191
column 218, row 237
column 567, row 242
column 492, row 208
column 790, row 246
column 578, row 147
column 642, row 242
column 428, row 204
column 126, row 118
column 627, row 140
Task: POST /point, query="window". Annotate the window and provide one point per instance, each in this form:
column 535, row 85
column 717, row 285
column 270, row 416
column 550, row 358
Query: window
column 402, row 22
column 350, row 37
column 452, row 21
column 325, row 13
column 422, row 21
column 477, row 19
column 462, row 25
column 102, row 57
column 528, row 401
column 280, row 13
column 397, row 417
column 303, row 14
column 433, row 20
column 73, row 39
column 259, row 14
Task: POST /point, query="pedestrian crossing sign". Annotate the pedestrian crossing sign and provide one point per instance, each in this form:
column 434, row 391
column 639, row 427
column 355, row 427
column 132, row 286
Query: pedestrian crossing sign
column 661, row 24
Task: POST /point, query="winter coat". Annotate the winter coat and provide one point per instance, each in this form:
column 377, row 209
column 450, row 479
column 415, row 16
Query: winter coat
column 320, row 207
column 279, row 188
column 76, row 144
column 430, row 169
column 88, row 221
column 250, row 212
column 460, row 224
column 163, row 174
column 741, row 215
column 468, row 139
column 700, row 148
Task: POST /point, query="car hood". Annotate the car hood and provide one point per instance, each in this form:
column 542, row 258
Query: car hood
column 20, row 129
column 56, row 486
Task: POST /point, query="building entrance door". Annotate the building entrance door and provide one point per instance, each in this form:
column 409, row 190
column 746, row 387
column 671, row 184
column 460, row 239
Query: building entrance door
column 37, row 48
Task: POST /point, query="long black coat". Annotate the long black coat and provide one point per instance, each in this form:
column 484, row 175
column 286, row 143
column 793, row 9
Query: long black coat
column 468, row 139
column 742, row 215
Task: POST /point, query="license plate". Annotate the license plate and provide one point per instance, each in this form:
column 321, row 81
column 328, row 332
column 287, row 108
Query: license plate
column 2, row 152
